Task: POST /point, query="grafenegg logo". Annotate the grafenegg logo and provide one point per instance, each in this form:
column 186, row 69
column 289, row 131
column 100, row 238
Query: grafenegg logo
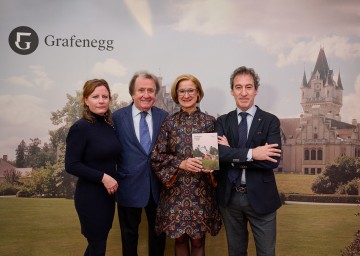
column 23, row 40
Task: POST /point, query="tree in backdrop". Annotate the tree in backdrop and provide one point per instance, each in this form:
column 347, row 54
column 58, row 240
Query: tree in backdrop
column 12, row 176
column 33, row 155
column 339, row 177
column 43, row 182
column 12, row 182
column 65, row 182
column 39, row 157
column 20, row 152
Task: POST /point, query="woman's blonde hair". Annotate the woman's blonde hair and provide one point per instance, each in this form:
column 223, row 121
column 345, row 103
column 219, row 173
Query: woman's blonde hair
column 174, row 93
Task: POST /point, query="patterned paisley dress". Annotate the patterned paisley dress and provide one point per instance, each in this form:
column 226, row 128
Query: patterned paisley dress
column 187, row 203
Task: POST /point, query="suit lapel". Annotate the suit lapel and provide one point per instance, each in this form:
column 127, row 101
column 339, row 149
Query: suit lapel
column 129, row 126
column 233, row 120
column 156, row 125
column 254, row 125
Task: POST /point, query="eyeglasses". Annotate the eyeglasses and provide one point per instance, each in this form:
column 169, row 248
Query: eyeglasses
column 182, row 92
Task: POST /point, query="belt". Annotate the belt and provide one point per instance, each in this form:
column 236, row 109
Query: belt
column 240, row 166
column 240, row 189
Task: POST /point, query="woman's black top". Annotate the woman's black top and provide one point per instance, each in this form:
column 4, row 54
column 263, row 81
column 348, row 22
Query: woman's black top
column 92, row 149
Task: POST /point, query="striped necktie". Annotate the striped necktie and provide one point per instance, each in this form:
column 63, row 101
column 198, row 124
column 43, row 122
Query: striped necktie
column 233, row 174
column 145, row 139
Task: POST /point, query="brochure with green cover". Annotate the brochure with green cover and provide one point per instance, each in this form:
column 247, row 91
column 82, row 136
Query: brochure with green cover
column 205, row 148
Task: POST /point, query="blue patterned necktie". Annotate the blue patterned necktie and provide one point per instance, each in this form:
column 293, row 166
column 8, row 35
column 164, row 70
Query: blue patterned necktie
column 242, row 130
column 145, row 139
column 235, row 175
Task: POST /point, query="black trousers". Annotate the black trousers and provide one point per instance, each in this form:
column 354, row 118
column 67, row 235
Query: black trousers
column 96, row 248
column 129, row 219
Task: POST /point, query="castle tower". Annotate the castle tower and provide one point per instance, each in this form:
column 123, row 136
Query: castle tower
column 164, row 100
column 322, row 95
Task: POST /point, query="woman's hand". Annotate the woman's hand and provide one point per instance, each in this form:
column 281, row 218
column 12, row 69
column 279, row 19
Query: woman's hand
column 192, row 165
column 110, row 184
column 222, row 140
column 207, row 171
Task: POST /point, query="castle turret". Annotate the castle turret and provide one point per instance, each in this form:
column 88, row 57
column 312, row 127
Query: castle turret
column 322, row 90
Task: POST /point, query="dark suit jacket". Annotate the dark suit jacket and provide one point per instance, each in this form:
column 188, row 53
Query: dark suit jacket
column 136, row 179
column 262, row 192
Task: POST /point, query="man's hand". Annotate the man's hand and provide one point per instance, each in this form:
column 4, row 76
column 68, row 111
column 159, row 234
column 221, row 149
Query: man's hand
column 266, row 152
column 222, row 140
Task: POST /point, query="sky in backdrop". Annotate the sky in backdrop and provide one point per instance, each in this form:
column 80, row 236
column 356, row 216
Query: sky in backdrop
column 280, row 39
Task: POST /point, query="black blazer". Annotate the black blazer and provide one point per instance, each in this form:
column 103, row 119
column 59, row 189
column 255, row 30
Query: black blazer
column 262, row 192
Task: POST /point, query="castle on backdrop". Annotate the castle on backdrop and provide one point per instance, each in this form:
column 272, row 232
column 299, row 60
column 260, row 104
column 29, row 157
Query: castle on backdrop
column 319, row 136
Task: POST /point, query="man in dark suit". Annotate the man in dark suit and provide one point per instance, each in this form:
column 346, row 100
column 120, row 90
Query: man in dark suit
column 138, row 185
column 249, row 150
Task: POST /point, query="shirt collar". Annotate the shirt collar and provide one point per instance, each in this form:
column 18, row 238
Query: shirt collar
column 136, row 111
column 251, row 111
